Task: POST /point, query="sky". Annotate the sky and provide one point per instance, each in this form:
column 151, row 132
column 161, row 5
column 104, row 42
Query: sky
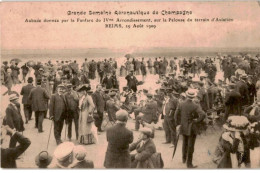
column 16, row 34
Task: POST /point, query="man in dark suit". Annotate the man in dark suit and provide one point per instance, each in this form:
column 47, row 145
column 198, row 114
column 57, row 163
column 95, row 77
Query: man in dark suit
column 27, row 105
column 112, row 106
column 13, row 117
column 72, row 100
column 77, row 80
column 169, row 107
column 131, row 81
column 149, row 112
column 232, row 102
column 58, row 112
column 187, row 116
column 243, row 90
column 39, row 98
column 119, row 138
column 99, row 101
column 9, row 155
column 144, row 147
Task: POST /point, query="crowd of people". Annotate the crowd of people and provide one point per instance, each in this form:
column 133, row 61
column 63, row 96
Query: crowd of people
column 191, row 97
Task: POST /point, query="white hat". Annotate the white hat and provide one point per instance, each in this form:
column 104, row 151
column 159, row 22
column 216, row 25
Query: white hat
column 63, row 151
column 236, row 123
column 13, row 97
column 191, row 93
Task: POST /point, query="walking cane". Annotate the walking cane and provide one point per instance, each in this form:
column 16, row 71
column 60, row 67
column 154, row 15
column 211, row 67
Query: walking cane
column 49, row 135
column 65, row 129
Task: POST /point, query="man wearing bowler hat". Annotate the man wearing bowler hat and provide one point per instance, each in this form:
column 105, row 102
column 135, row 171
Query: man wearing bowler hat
column 187, row 115
column 43, row 159
column 58, row 112
column 119, row 138
column 27, row 105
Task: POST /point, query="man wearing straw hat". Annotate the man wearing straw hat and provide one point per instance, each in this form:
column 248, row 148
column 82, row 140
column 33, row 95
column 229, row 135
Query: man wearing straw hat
column 186, row 122
column 13, row 117
column 63, row 155
column 119, row 138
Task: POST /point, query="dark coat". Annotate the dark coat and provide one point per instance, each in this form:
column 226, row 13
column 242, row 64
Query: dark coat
column 170, row 108
column 99, row 101
column 132, row 82
column 233, row 103
column 14, row 118
column 144, row 152
column 57, row 106
column 72, row 100
column 84, row 164
column 188, row 115
column 243, row 90
column 150, row 111
column 25, row 92
column 39, row 98
column 117, row 154
column 9, row 155
column 111, row 108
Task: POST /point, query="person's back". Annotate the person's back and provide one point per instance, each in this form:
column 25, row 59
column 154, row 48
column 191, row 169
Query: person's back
column 119, row 138
column 38, row 97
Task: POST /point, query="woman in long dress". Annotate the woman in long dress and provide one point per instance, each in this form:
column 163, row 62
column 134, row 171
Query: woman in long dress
column 87, row 129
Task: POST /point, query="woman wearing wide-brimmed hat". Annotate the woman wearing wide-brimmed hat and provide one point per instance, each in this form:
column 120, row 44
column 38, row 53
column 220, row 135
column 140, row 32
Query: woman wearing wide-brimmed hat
column 233, row 141
column 87, row 129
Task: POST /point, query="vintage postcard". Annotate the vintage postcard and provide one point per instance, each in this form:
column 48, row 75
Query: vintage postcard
column 154, row 85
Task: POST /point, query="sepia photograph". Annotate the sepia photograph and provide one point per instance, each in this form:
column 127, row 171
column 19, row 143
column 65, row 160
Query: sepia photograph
column 130, row 85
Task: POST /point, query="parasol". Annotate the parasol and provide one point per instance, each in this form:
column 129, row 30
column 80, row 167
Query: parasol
column 31, row 63
column 16, row 60
column 129, row 56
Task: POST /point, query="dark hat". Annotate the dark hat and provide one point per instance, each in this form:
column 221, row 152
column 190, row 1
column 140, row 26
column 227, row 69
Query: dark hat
column 30, row 80
column 64, row 77
column 114, row 89
column 149, row 95
column 122, row 115
column 61, row 86
column 145, row 91
column 90, row 91
column 83, row 88
column 112, row 93
column 39, row 81
column 43, row 159
column 125, row 88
